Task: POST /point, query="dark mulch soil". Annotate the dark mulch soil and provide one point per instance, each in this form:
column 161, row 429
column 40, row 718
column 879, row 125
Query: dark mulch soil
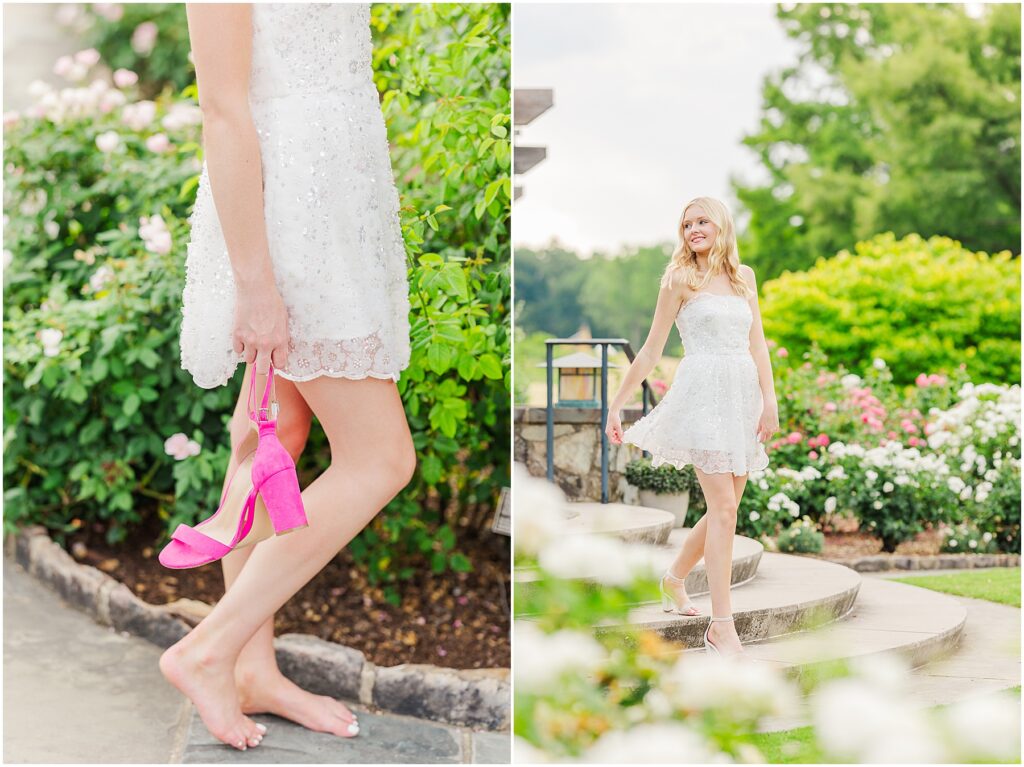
column 458, row 620
column 843, row 540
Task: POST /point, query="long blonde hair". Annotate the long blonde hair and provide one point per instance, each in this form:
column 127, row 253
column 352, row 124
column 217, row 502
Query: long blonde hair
column 724, row 255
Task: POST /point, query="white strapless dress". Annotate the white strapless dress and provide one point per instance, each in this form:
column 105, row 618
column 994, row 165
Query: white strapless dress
column 709, row 415
column 330, row 207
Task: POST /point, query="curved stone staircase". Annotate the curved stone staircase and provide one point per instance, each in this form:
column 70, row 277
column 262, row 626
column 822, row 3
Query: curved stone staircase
column 792, row 611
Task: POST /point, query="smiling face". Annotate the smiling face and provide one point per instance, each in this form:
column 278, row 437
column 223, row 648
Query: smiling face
column 699, row 231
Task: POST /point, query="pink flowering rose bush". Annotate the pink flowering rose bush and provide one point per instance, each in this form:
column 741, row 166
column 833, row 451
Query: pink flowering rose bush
column 98, row 183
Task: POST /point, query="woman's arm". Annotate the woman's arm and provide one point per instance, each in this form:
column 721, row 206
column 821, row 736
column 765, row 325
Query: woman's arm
column 762, row 358
column 669, row 299
column 221, row 38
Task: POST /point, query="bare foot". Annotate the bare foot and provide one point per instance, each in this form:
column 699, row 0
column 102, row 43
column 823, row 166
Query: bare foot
column 274, row 693
column 210, row 685
column 725, row 639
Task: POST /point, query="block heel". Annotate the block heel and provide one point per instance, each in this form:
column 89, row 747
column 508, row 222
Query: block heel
column 283, row 499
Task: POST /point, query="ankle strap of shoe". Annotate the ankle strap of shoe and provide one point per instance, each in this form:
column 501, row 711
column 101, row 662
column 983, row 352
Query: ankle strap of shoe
column 674, row 578
column 268, row 409
column 723, row 618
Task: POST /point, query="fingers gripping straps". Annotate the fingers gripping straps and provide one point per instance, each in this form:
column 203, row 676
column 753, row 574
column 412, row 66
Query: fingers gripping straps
column 266, row 412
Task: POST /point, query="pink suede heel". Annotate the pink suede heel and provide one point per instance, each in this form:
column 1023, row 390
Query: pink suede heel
column 274, row 480
column 273, row 470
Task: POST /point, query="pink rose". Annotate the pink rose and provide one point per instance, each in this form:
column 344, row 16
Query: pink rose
column 158, row 143
column 782, row 352
column 125, row 77
column 813, row 455
column 831, row 407
column 794, row 437
column 180, row 447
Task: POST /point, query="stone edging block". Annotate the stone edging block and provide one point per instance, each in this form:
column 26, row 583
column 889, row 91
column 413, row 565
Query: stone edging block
column 471, row 698
column 881, row 562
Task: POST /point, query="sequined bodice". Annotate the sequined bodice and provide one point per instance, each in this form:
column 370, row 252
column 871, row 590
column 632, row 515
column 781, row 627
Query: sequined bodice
column 309, row 48
column 714, row 323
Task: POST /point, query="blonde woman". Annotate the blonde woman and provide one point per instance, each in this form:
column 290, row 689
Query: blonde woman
column 721, row 407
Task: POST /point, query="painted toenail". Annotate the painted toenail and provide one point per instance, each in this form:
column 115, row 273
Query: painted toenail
column 353, row 729
column 261, row 727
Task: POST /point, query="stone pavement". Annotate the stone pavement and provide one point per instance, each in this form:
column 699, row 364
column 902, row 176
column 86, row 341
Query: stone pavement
column 78, row 692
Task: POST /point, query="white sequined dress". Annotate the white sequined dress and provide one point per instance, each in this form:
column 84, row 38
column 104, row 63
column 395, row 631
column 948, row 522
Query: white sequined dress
column 709, row 415
column 330, row 207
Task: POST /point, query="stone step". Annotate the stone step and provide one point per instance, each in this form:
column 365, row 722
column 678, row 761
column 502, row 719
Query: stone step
column 633, row 524
column 746, row 554
column 788, row 594
column 918, row 625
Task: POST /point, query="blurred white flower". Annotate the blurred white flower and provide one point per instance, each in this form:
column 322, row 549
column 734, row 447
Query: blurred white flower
column 52, row 229
column 738, row 690
column 50, row 338
column 37, row 89
column 856, row 721
column 830, row 504
column 155, row 236
column 584, row 556
column 525, row 752
column 653, row 744
column 984, row 728
column 850, row 380
column 754, row 516
column 140, row 115
column 878, row 363
column 888, row 487
column 101, row 278
column 538, row 511
column 180, row 447
column 8, row 257
column 63, row 66
column 541, row 660
column 181, row 115
column 108, row 141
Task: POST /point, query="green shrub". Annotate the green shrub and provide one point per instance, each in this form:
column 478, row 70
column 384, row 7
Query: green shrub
column 664, row 480
column 93, row 383
column 920, row 305
column 802, row 537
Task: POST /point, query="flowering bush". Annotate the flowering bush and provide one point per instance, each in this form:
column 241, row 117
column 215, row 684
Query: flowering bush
column 966, row 538
column 801, row 537
column 588, row 688
column 147, row 39
column 894, row 492
column 98, row 185
column 980, row 439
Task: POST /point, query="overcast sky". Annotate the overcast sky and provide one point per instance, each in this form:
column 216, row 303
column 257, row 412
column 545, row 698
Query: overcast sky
column 651, row 103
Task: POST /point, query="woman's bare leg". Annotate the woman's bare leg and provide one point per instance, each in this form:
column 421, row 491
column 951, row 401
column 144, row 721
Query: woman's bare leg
column 262, row 688
column 720, row 494
column 372, row 459
column 692, row 549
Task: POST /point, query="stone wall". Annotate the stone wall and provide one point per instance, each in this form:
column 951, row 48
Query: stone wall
column 577, row 451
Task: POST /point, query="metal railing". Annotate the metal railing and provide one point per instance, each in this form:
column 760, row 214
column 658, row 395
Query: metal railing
column 647, row 397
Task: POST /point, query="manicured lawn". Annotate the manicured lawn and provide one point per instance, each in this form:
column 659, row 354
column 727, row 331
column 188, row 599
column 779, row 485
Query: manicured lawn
column 996, row 584
column 789, row 746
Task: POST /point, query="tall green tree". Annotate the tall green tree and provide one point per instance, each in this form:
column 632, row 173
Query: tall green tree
column 897, row 117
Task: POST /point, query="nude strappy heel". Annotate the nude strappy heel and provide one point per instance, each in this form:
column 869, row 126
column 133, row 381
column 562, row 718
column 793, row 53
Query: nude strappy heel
column 668, row 599
column 708, row 644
